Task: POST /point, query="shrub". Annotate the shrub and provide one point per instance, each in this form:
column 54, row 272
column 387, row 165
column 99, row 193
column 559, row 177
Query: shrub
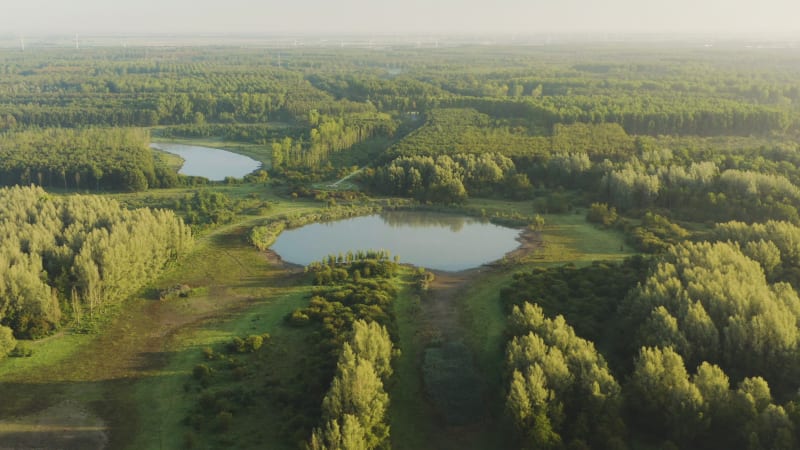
column 208, row 354
column 298, row 318
column 602, row 213
column 7, row 341
column 236, row 345
column 201, row 372
column 253, row 343
column 224, row 420
column 21, row 351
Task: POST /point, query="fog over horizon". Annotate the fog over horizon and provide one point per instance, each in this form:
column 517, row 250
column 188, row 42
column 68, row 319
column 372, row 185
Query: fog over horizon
column 464, row 17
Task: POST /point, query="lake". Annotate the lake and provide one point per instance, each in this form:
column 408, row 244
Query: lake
column 211, row 163
column 431, row 240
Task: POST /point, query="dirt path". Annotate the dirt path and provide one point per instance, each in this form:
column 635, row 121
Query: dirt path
column 347, row 177
column 440, row 311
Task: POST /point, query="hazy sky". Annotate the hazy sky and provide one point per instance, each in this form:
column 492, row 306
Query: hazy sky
column 406, row 16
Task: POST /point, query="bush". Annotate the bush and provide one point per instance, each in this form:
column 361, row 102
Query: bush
column 236, row 345
column 224, row 420
column 601, row 213
column 7, row 341
column 21, row 351
column 253, row 343
column 298, row 318
column 201, row 372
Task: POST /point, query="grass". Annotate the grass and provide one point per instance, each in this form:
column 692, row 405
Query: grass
column 411, row 418
column 163, row 400
column 569, row 238
column 46, row 352
column 246, row 296
column 169, row 160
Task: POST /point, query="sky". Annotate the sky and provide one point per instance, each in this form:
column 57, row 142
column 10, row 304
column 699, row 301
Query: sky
column 398, row 17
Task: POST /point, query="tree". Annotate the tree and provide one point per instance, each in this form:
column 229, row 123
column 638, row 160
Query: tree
column 724, row 309
column 560, row 387
column 663, row 398
column 371, row 342
column 344, row 434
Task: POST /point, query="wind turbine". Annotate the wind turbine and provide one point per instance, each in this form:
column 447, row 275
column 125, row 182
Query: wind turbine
column 77, row 44
column 21, row 43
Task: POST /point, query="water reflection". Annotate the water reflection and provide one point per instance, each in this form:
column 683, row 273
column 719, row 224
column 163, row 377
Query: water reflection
column 426, row 219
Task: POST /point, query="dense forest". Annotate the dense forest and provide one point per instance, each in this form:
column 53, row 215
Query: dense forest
column 686, row 334
column 66, row 259
column 90, row 159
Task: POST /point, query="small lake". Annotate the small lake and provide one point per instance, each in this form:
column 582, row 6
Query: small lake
column 431, row 240
column 211, row 163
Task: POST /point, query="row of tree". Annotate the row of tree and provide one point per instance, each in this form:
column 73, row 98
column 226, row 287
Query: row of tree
column 701, row 410
column 51, row 89
column 449, row 178
column 354, row 409
column 710, row 302
column 350, row 313
column 561, row 394
column 327, row 136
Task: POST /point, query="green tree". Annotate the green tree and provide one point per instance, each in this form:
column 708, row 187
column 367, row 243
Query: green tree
column 663, row 397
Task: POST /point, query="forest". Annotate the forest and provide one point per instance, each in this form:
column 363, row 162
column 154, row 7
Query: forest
column 652, row 302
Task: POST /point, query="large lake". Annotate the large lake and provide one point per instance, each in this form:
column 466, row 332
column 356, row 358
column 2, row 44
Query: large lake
column 211, row 163
column 430, row 240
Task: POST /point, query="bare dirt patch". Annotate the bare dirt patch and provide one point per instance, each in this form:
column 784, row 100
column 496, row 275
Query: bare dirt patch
column 530, row 242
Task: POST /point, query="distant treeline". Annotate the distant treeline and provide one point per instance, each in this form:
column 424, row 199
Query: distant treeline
column 88, row 159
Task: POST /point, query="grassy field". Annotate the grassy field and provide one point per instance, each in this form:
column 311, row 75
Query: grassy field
column 569, row 238
column 170, row 160
column 411, row 418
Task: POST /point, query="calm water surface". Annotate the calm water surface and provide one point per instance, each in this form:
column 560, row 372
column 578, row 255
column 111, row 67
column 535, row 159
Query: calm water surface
column 211, row 163
column 430, row 240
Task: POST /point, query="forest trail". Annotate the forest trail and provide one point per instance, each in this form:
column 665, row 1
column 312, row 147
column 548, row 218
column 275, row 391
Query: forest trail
column 441, row 309
column 346, row 177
